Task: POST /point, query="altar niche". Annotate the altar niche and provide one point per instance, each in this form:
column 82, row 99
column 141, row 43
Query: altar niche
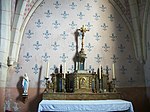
column 85, row 83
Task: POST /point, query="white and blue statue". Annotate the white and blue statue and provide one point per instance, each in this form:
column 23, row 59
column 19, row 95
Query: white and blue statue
column 25, row 84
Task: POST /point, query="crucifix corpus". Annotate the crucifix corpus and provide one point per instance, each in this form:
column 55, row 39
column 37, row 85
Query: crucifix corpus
column 83, row 30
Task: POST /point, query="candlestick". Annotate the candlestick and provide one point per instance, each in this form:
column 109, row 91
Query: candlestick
column 47, row 85
column 47, row 71
column 100, row 86
column 113, row 68
column 114, row 85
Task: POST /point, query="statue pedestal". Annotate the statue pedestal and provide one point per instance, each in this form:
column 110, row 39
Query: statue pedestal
column 81, row 96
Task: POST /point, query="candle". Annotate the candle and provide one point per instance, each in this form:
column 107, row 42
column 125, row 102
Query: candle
column 47, row 71
column 113, row 68
column 76, row 66
column 65, row 70
column 60, row 68
column 85, row 68
column 100, row 70
column 106, row 69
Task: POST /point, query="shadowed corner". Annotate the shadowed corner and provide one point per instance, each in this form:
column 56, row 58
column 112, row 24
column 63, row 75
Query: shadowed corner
column 33, row 104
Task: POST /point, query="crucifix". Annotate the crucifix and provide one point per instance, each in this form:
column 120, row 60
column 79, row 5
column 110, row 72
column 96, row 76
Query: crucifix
column 83, row 30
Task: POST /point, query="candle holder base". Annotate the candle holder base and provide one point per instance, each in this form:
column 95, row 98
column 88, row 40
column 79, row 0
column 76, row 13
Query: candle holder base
column 100, row 86
column 101, row 91
column 114, row 85
column 64, row 85
column 47, row 85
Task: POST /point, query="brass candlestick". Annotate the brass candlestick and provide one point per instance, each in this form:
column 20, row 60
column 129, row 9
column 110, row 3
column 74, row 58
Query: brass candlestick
column 64, row 84
column 47, row 85
column 114, row 84
column 100, row 86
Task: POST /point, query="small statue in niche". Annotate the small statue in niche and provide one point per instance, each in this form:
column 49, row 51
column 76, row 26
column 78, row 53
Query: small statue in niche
column 82, row 82
column 25, row 84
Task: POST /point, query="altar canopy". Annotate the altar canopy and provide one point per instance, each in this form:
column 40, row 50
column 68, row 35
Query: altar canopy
column 85, row 106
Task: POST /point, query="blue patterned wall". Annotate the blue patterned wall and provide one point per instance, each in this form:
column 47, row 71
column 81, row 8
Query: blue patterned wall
column 50, row 37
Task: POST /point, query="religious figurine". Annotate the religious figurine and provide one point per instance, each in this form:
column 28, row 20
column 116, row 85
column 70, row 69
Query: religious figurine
column 83, row 30
column 25, row 84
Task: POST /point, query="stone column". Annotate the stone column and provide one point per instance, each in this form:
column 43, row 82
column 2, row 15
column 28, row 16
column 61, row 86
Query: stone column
column 5, row 33
column 15, row 33
column 145, row 29
column 136, row 29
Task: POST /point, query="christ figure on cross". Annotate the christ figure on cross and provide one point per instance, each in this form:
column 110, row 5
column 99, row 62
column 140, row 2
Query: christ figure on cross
column 83, row 30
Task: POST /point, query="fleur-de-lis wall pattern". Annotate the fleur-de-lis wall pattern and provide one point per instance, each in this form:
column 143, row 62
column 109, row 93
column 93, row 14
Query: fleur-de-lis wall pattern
column 17, row 68
column 51, row 36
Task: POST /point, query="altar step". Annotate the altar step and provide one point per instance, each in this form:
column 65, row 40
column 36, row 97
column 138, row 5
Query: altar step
column 81, row 96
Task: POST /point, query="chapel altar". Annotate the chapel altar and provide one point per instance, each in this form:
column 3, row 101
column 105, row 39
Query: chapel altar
column 81, row 84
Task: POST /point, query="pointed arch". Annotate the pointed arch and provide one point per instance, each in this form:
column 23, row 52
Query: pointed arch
column 18, row 33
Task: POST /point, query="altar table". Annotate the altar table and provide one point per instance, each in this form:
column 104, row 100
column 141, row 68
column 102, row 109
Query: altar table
column 85, row 106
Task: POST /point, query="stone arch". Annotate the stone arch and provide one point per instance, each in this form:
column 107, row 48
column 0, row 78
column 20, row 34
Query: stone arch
column 15, row 49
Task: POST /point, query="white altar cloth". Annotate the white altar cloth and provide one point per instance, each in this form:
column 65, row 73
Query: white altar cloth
column 85, row 106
